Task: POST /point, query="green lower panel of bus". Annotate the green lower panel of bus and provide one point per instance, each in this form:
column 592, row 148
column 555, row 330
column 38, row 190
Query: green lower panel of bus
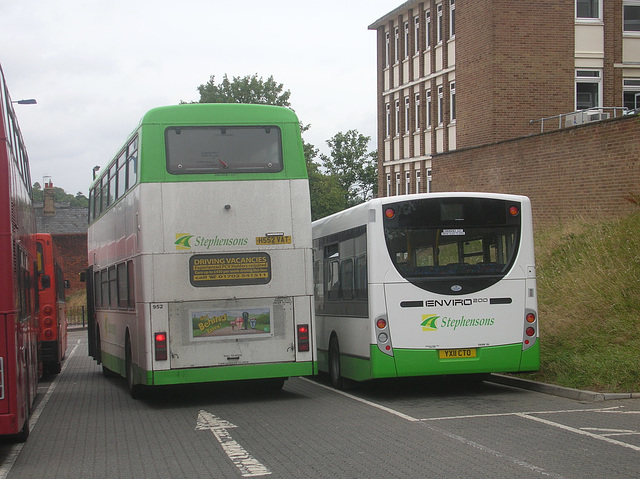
column 212, row 374
column 229, row 373
column 420, row 362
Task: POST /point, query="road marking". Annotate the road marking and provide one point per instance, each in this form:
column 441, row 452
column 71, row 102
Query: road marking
column 473, row 416
column 464, row 440
column 579, row 431
column 247, row 464
column 14, row 452
column 612, row 432
column 364, row 401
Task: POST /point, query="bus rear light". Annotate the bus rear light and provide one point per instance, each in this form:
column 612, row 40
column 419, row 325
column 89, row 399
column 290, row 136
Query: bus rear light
column 531, row 318
column 389, row 213
column 530, row 331
column 381, row 323
column 47, row 310
column 161, row 346
column 513, row 210
column 303, row 338
column 48, row 333
column 48, row 322
column 383, row 338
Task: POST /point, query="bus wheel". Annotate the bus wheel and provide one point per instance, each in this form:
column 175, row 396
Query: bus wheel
column 134, row 389
column 24, row 432
column 334, row 363
column 106, row 372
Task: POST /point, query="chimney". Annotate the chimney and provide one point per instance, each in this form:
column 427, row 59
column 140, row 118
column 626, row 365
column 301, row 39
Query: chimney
column 49, row 207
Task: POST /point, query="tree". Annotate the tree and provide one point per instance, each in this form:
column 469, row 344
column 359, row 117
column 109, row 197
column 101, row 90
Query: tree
column 61, row 196
column 247, row 89
column 355, row 168
column 327, row 194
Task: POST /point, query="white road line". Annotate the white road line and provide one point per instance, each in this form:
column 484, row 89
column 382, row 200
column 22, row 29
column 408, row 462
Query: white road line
column 364, row 401
column 14, row 452
column 579, row 431
column 461, row 439
column 473, row 416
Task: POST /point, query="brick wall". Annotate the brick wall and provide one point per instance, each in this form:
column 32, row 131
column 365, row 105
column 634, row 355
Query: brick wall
column 514, row 63
column 586, row 170
column 73, row 249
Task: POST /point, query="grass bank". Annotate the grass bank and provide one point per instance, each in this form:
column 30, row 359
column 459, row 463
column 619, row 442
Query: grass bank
column 589, row 304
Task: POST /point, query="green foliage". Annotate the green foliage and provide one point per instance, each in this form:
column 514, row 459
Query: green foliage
column 247, row 89
column 60, row 196
column 355, row 168
column 588, row 283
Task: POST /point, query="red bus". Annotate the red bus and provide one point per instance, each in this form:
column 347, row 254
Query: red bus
column 52, row 316
column 18, row 285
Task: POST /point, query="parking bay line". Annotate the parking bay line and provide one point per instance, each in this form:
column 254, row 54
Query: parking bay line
column 467, row 442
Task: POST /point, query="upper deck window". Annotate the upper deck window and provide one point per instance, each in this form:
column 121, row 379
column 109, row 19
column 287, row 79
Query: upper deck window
column 220, row 149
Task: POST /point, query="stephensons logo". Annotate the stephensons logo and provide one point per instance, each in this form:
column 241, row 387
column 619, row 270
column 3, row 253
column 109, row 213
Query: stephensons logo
column 186, row 241
column 433, row 322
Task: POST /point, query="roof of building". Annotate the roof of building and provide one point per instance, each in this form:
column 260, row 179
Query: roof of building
column 66, row 220
column 392, row 14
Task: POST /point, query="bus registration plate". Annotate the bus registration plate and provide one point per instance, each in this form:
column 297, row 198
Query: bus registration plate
column 457, row 353
column 268, row 240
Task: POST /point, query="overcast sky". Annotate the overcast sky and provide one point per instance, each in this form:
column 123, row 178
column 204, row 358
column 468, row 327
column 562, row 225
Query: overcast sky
column 95, row 67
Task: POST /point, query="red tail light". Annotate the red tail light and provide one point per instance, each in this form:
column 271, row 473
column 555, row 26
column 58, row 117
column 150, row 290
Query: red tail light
column 161, row 346
column 48, row 334
column 303, row 338
column 530, row 331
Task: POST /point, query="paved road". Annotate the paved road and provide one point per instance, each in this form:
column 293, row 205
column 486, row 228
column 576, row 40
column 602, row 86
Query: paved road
column 87, row 426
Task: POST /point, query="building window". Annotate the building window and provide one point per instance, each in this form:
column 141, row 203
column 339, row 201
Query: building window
column 416, row 109
column 440, row 105
column 388, row 121
column 452, row 100
column 386, row 49
column 406, row 39
column 429, row 180
column 452, row 18
column 631, row 93
column 588, row 92
column 416, row 35
column 417, row 181
column 397, row 129
column 396, row 47
column 407, row 182
column 428, row 108
column 589, row 9
column 631, row 16
column 388, row 185
column 406, row 114
column 427, row 29
column 397, row 184
column 439, row 24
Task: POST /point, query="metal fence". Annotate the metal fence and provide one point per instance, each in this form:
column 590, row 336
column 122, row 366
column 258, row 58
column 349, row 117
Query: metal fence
column 77, row 315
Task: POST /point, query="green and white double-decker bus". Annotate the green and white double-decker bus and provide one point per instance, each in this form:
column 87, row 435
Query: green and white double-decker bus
column 199, row 243
column 426, row 284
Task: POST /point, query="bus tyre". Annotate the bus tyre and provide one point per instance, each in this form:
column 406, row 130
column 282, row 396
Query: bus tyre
column 134, row 389
column 24, row 432
column 334, row 364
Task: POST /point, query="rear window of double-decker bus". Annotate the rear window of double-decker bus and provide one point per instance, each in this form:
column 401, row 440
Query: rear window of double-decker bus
column 466, row 237
column 223, row 150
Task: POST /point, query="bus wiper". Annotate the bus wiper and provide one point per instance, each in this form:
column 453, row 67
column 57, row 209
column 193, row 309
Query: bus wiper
column 224, row 165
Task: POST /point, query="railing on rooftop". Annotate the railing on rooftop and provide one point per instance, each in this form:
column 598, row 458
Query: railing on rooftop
column 566, row 120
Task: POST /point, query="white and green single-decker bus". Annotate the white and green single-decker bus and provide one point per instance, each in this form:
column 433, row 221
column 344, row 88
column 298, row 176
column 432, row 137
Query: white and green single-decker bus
column 426, row 284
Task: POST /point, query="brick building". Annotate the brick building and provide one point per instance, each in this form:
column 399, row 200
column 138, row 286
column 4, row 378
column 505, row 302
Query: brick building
column 457, row 75
column 68, row 228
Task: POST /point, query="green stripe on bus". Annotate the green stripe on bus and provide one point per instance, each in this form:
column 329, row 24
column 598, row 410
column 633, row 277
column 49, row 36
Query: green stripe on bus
column 230, row 373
